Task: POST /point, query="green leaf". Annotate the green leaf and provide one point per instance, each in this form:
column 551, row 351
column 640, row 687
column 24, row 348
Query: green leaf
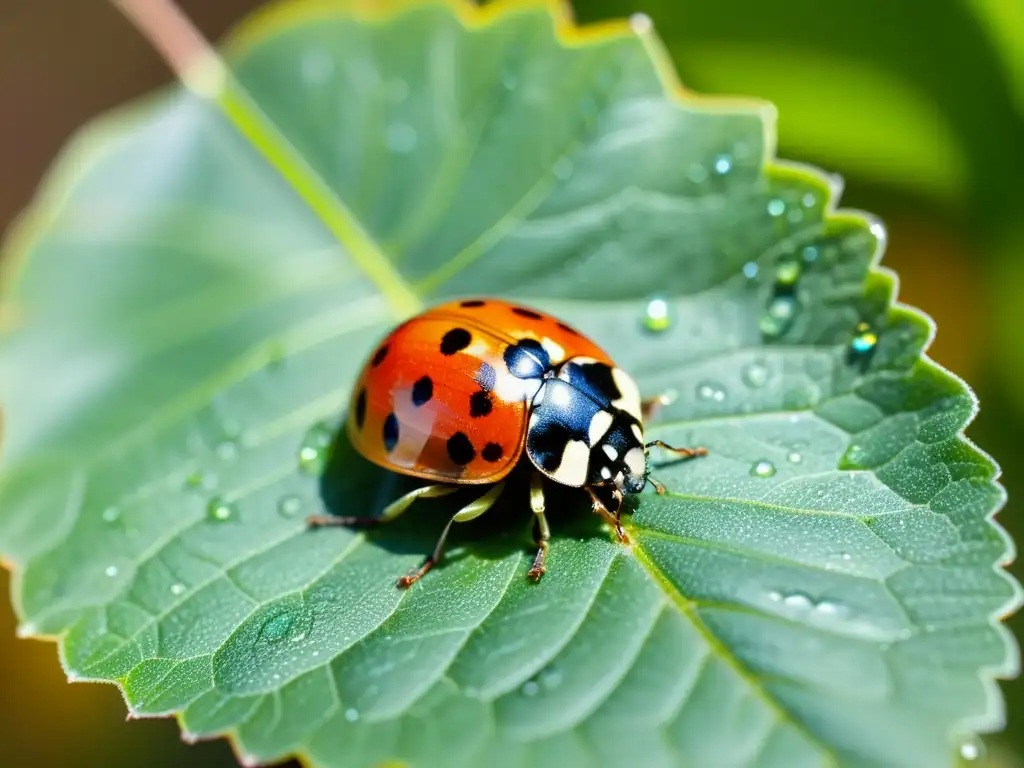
column 201, row 280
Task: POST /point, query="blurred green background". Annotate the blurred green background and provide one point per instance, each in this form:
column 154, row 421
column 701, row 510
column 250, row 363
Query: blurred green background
column 918, row 104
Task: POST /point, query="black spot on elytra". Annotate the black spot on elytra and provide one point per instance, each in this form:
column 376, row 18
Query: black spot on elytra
column 390, row 431
column 492, row 452
column 599, row 376
column 546, row 442
column 455, row 340
column 569, row 329
column 480, row 403
column 472, row 303
column 422, row 391
column 524, row 312
column 486, row 377
column 378, row 356
column 361, row 409
column 460, row 449
column 527, row 359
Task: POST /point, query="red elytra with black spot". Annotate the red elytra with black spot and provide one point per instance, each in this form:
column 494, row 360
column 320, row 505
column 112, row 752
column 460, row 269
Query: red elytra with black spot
column 435, row 401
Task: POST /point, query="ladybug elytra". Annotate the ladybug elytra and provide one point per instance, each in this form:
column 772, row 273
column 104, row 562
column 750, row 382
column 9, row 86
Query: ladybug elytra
column 458, row 393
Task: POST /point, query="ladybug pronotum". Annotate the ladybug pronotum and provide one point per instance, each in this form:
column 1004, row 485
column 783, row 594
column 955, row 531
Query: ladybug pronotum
column 458, row 393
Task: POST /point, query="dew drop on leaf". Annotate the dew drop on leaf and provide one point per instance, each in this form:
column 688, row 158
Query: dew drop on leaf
column 776, row 207
column 723, row 164
column 177, row 589
column 218, row 510
column 762, row 469
column 755, row 374
column 111, row 515
column 289, row 506
column 313, row 451
column 709, row 390
column 696, row 173
column 779, row 315
column 530, row 688
column 809, row 200
column 563, row 168
column 794, row 457
column 550, row 678
column 277, row 627
column 111, row 571
column 972, row 749
column 864, row 341
column 787, row 272
column 351, row 714
column 810, row 254
column 657, row 316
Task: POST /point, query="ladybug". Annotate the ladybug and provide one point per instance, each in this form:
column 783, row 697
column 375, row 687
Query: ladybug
column 457, row 394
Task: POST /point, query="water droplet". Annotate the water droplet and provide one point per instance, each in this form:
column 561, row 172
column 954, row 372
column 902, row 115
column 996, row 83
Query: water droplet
column 289, row 506
column 787, row 271
column 277, row 627
column 794, row 457
column 723, row 164
column 563, row 168
column 809, row 199
column 530, row 688
column 314, row 449
column 550, row 678
column 755, row 374
column 762, row 468
column 641, row 23
column 177, row 589
column 351, row 714
column 218, row 510
column 878, row 230
column 776, row 207
column 750, row 270
column 780, row 315
column 657, row 316
column 710, row 390
column 227, row 449
column 865, row 340
column 795, row 215
column 797, row 601
column 972, row 749
column 111, row 515
column 111, row 571
column 810, row 254
column 401, row 137
column 775, row 596
column 697, row 173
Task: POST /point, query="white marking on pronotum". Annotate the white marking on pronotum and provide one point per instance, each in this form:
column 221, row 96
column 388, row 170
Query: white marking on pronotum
column 599, row 425
column 629, row 400
column 572, row 470
column 511, row 388
column 610, row 451
column 635, row 461
column 638, row 433
column 555, row 351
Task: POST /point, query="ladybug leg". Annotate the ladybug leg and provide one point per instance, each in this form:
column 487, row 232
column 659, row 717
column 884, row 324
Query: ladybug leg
column 684, row 452
column 657, row 486
column 544, row 533
column 472, row 510
column 391, row 511
column 611, row 515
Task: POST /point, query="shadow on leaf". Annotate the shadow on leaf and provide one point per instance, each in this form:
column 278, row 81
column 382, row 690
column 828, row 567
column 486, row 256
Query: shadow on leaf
column 353, row 486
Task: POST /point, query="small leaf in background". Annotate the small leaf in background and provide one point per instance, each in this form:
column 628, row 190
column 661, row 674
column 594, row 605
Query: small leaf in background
column 203, row 278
